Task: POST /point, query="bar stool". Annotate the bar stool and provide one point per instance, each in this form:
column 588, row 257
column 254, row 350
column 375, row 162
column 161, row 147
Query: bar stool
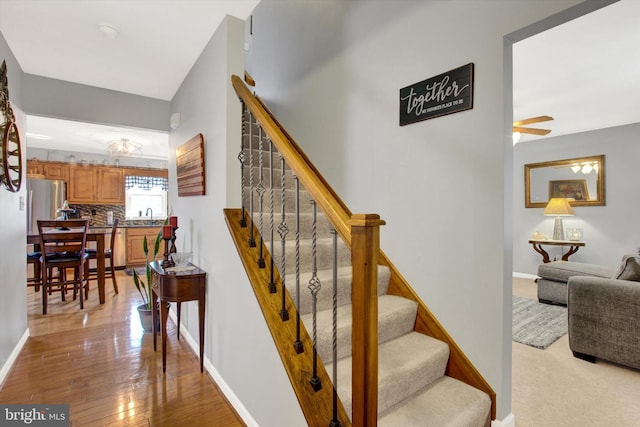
column 62, row 245
column 110, row 272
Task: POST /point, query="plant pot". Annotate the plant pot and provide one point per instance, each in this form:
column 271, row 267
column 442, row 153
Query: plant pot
column 146, row 318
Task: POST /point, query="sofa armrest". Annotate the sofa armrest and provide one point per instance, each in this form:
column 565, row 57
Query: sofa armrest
column 604, row 318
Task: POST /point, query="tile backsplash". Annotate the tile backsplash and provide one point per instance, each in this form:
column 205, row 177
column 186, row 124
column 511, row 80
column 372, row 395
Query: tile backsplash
column 98, row 213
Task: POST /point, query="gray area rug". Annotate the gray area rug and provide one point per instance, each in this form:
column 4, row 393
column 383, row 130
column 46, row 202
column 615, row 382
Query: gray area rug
column 538, row 325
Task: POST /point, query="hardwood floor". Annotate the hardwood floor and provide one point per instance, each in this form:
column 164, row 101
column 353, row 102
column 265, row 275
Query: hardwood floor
column 100, row 362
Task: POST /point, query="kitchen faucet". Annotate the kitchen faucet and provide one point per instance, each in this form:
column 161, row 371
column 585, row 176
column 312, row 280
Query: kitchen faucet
column 147, row 213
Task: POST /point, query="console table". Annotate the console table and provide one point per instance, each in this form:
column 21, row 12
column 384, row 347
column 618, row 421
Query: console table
column 179, row 286
column 573, row 248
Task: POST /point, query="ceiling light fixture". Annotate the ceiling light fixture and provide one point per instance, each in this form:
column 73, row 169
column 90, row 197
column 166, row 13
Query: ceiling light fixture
column 124, row 147
column 109, row 31
column 516, row 137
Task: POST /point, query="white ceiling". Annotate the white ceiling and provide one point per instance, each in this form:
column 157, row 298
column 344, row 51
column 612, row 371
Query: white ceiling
column 158, row 42
column 583, row 73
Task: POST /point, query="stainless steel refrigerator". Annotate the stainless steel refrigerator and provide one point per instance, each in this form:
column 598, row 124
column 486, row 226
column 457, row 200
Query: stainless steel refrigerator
column 44, row 198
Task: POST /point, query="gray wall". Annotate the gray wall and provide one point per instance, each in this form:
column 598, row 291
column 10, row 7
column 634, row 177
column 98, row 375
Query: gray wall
column 331, row 72
column 13, row 297
column 237, row 343
column 609, row 231
column 72, row 101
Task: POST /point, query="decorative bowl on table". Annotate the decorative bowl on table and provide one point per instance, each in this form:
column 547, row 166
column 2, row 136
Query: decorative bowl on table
column 181, row 258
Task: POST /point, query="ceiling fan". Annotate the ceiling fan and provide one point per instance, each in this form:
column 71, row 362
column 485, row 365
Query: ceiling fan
column 517, row 126
column 518, row 129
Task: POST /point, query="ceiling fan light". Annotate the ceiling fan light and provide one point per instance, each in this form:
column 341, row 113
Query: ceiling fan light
column 587, row 168
column 516, row 137
column 575, row 168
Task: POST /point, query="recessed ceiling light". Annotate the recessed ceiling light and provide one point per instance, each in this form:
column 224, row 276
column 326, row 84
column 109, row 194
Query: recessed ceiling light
column 108, row 31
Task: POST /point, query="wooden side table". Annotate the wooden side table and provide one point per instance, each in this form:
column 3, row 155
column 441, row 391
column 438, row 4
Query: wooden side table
column 168, row 286
column 573, row 248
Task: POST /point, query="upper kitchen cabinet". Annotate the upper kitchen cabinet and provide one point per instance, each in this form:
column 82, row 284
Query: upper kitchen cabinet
column 48, row 170
column 56, row 170
column 96, row 185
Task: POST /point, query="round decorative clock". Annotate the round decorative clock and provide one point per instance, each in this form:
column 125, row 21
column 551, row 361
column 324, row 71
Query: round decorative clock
column 10, row 151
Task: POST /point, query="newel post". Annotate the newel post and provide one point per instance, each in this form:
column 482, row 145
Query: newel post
column 365, row 245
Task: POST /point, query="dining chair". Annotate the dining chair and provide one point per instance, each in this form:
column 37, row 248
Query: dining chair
column 33, row 258
column 62, row 245
column 110, row 272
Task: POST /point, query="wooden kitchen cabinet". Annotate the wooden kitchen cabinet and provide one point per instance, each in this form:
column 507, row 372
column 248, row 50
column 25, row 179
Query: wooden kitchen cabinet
column 96, row 185
column 110, row 186
column 56, row 170
column 50, row 170
column 34, row 167
column 135, row 251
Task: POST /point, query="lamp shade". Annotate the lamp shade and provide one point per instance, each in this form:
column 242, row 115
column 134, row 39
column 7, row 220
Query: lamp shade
column 558, row 206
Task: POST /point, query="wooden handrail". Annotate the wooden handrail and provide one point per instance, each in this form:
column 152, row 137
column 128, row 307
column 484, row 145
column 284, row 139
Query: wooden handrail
column 339, row 215
column 321, row 192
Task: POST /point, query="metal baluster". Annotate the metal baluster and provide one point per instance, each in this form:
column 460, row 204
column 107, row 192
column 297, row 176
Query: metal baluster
column 283, row 229
column 335, row 422
column 241, row 157
column 260, row 190
column 272, row 284
column 314, row 287
column 297, row 345
column 252, row 242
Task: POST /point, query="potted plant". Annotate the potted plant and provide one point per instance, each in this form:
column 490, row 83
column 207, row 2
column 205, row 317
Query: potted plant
column 144, row 310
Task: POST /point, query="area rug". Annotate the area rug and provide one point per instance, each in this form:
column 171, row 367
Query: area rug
column 537, row 325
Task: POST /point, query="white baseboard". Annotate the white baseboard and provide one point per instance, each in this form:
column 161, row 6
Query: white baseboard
column 508, row 421
column 524, row 275
column 224, row 387
column 13, row 356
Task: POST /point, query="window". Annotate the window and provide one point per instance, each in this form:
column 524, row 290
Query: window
column 142, row 193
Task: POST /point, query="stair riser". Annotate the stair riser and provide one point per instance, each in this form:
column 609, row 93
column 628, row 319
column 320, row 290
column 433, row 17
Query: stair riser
column 324, row 256
column 395, row 318
column 290, row 201
column 325, row 295
column 275, row 159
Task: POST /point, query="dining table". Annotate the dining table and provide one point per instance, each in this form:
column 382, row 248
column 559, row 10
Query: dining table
column 92, row 236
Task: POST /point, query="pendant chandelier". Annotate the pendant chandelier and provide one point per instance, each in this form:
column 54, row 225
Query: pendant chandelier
column 124, row 147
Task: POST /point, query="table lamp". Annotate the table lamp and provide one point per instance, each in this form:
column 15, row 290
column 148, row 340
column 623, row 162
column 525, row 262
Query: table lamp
column 558, row 207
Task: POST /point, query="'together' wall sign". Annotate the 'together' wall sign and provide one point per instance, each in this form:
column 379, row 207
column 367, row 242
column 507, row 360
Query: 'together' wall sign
column 446, row 93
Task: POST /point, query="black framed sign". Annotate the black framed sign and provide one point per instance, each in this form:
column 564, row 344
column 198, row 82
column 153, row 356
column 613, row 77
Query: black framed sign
column 446, row 93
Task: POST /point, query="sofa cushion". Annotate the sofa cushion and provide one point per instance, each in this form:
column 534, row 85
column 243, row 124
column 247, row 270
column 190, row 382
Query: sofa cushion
column 629, row 269
column 561, row 271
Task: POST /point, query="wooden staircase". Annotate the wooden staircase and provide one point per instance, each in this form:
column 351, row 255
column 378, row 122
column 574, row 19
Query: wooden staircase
column 416, row 374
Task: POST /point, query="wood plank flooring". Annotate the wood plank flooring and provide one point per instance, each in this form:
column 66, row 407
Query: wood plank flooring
column 100, row 362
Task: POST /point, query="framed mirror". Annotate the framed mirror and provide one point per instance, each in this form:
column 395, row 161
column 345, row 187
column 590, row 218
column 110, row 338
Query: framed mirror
column 581, row 179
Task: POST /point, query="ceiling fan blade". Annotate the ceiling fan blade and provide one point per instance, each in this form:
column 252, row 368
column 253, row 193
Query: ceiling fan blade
column 532, row 120
column 532, row 131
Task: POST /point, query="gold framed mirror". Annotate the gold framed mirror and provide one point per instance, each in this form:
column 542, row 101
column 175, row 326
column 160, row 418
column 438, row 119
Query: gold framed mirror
column 581, row 179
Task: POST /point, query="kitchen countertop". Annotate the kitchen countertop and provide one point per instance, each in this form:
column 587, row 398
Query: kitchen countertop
column 108, row 227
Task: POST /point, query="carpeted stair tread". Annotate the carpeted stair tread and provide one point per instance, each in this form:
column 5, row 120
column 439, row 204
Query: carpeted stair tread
column 396, row 317
column 413, row 390
column 325, row 295
column 405, row 365
column 323, row 227
column 324, row 255
column 445, row 403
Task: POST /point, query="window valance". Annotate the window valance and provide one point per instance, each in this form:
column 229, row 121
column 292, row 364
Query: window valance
column 145, row 182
